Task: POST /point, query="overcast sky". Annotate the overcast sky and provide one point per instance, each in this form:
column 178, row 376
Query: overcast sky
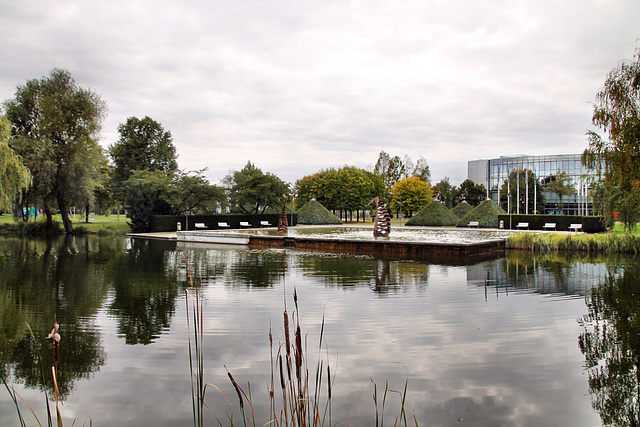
column 300, row 86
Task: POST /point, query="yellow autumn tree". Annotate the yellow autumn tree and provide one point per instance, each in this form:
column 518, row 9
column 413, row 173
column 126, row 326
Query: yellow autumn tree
column 411, row 195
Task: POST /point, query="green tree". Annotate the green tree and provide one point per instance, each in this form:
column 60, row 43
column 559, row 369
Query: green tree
column 14, row 175
column 143, row 145
column 411, row 194
column 445, row 192
column 528, row 185
column 391, row 170
column 346, row 189
column 253, row 191
column 616, row 155
column 421, row 170
column 56, row 124
column 560, row 184
column 146, row 193
column 193, row 193
column 472, row 193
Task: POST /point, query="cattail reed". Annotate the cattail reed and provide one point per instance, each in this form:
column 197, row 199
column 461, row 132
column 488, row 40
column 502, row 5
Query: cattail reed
column 237, row 387
column 282, row 382
column 329, row 381
column 298, row 351
column 286, row 333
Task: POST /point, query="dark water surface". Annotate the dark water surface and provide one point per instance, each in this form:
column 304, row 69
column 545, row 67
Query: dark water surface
column 512, row 341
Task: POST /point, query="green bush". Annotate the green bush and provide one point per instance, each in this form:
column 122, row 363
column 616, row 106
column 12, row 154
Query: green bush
column 313, row 213
column 486, row 213
column 434, row 214
column 461, row 209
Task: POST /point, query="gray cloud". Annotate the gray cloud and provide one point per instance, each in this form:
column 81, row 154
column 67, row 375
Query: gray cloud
column 300, row 86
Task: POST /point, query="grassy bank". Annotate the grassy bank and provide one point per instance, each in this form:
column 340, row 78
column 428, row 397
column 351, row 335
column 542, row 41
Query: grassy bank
column 102, row 225
column 611, row 242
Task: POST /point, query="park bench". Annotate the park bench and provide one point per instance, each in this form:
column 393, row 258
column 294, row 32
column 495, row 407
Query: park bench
column 265, row 224
column 244, row 224
column 200, row 226
column 575, row 227
column 523, row 225
column 223, row 225
column 474, row 224
column 549, row 225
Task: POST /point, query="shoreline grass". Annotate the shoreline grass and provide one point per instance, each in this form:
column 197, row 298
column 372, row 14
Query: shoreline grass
column 102, row 225
column 610, row 242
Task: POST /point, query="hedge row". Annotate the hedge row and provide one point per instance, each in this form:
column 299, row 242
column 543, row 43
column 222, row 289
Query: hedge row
column 590, row 224
column 169, row 222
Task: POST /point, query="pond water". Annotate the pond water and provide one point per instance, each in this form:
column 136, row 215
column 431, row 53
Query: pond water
column 509, row 341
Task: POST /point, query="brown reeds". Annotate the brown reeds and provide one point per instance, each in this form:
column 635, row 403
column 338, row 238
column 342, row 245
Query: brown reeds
column 303, row 401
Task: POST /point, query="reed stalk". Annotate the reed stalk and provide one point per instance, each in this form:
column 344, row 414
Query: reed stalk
column 298, row 405
column 195, row 322
column 592, row 243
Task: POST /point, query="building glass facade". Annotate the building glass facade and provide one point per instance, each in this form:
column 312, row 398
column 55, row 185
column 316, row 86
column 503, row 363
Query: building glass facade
column 494, row 173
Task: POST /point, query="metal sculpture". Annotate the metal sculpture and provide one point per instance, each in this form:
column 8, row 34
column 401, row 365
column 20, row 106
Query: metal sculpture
column 283, row 225
column 382, row 222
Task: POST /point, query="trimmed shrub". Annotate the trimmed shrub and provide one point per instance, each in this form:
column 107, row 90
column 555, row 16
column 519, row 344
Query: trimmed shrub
column 434, row 214
column 486, row 213
column 313, row 213
column 461, row 209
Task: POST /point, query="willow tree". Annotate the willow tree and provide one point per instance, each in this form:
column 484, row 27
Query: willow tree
column 615, row 155
column 14, row 175
column 55, row 126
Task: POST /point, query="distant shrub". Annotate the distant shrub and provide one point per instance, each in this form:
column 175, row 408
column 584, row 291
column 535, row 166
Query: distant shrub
column 313, row 213
column 486, row 213
column 461, row 209
column 434, row 214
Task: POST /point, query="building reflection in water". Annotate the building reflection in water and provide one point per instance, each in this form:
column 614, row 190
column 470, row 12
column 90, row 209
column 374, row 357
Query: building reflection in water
column 542, row 275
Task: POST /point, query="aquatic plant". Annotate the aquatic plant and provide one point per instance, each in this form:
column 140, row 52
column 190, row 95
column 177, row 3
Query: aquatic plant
column 305, row 389
column 549, row 242
column 55, row 337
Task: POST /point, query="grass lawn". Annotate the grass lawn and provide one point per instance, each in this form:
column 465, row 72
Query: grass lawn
column 618, row 228
column 103, row 224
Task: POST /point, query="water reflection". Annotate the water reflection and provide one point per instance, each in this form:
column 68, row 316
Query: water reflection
column 43, row 282
column 145, row 288
column 468, row 353
column 573, row 275
column 611, row 346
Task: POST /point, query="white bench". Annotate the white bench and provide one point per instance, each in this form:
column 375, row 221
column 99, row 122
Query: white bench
column 223, row 225
column 549, row 225
column 200, row 225
column 523, row 225
column 575, row 227
column 474, row 224
column 265, row 224
column 244, row 224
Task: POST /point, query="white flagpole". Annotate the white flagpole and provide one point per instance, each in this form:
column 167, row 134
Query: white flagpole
column 526, row 186
column 518, row 192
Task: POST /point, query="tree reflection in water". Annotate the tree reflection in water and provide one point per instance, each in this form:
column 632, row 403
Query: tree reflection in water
column 611, row 346
column 43, row 281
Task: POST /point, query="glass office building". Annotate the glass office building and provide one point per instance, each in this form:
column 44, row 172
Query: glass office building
column 493, row 174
